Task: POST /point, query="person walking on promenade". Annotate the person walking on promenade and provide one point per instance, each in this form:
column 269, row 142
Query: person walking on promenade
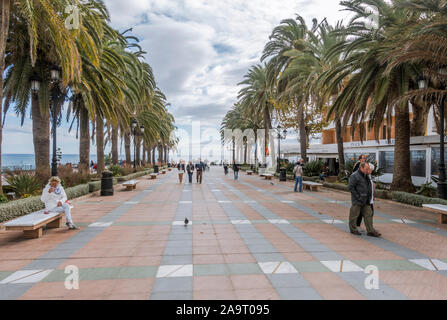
column 362, row 159
column 361, row 189
column 199, row 171
column 181, row 171
column 190, row 170
column 298, row 172
column 360, row 218
column 55, row 200
column 225, row 168
column 236, row 171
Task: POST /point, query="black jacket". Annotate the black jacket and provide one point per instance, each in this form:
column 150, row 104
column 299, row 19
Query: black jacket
column 361, row 189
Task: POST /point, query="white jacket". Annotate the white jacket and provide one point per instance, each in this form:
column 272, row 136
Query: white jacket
column 51, row 199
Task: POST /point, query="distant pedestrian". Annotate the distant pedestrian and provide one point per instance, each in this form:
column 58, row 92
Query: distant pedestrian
column 361, row 189
column 190, row 170
column 55, row 200
column 362, row 159
column 199, row 172
column 236, row 171
column 298, row 172
column 371, row 170
column 181, row 171
column 225, row 168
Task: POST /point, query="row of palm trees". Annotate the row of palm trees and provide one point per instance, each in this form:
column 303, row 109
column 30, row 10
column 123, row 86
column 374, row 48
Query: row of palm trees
column 367, row 70
column 105, row 80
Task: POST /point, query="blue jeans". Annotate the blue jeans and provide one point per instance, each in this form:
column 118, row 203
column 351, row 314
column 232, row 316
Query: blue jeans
column 299, row 180
column 236, row 175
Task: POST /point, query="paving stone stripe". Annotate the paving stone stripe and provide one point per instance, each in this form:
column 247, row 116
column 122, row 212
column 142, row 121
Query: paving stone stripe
column 323, row 253
column 177, row 260
column 62, row 252
column 380, row 242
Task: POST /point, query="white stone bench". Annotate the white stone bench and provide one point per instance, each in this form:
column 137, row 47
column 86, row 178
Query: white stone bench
column 440, row 209
column 268, row 172
column 131, row 185
column 313, row 186
column 33, row 223
column 250, row 173
column 268, row 176
column 154, row 176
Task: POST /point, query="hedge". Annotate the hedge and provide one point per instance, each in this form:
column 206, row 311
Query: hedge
column 18, row 208
column 416, row 200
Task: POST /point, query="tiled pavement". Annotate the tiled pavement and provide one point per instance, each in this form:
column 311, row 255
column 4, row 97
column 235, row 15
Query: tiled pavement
column 247, row 240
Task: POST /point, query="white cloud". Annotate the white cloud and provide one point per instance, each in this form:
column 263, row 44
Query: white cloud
column 199, row 50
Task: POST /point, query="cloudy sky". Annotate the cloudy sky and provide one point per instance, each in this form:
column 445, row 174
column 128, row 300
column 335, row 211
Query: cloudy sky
column 199, row 50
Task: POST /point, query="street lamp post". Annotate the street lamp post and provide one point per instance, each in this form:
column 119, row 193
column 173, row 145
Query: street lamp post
column 280, row 137
column 55, row 78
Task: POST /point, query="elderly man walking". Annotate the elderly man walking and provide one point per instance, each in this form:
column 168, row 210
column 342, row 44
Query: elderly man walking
column 361, row 189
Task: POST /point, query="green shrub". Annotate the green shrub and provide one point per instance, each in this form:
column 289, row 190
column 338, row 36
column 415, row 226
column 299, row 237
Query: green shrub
column 3, row 198
column 415, row 200
column 337, row 186
column 70, row 178
column 312, row 179
column 14, row 209
column 25, row 184
column 78, row 191
column 313, row 168
column 116, row 170
column 94, row 186
column 427, row 190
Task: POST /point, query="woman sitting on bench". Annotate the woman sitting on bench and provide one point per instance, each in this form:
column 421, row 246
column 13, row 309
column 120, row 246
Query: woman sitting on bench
column 55, row 200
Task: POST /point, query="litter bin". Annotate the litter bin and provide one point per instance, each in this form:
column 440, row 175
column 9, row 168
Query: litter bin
column 107, row 184
column 283, row 175
column 155, row 169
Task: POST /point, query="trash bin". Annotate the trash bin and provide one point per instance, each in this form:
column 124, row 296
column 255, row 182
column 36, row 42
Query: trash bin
column 107, row 184
column 283, row 175
column 155, row 169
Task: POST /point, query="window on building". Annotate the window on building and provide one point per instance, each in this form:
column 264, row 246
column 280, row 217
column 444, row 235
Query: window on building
column 418, row 163
column 384, row 131
column 355, row 156
column 435, row 160
column 387, row 161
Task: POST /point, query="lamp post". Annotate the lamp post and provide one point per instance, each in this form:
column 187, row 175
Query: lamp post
column 55, row 74
column 280, row 137
column 442, row 183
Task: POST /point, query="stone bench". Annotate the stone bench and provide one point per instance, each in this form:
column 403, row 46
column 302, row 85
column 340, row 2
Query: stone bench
column 131, row 185
column 163, row 171
column 268, row 176
column 440, row 209
column 250, row 173
column 312, row 186
column 154, row 176
column 33, row 223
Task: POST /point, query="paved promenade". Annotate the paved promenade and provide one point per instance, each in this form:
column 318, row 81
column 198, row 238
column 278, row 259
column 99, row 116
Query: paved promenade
column 248, row 240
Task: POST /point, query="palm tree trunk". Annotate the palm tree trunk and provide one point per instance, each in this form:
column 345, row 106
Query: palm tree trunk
column 84, row 139
column 5, row 10
column 127, row 148
column 153, row 155
column 115, row 156
column 402, row 170
column 160, row 155
column 138, row 151
column 303, row 133
column 41, row 139
column 100, row 144
column 340, row 146
column 144, row 154
column 420, row 118
column 267, row 125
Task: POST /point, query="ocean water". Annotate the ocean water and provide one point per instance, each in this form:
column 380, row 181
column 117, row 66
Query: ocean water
column 26, row 161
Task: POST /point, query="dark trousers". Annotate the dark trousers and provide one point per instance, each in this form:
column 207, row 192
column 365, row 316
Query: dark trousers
column 355, row 212
column 190, row 177
column 199, row 176
column 360, row 218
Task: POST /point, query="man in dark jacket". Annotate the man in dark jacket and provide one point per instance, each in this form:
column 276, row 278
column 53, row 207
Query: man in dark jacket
column 361, row 195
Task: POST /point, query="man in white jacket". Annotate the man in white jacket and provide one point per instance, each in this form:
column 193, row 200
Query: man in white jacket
column 55, row 200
